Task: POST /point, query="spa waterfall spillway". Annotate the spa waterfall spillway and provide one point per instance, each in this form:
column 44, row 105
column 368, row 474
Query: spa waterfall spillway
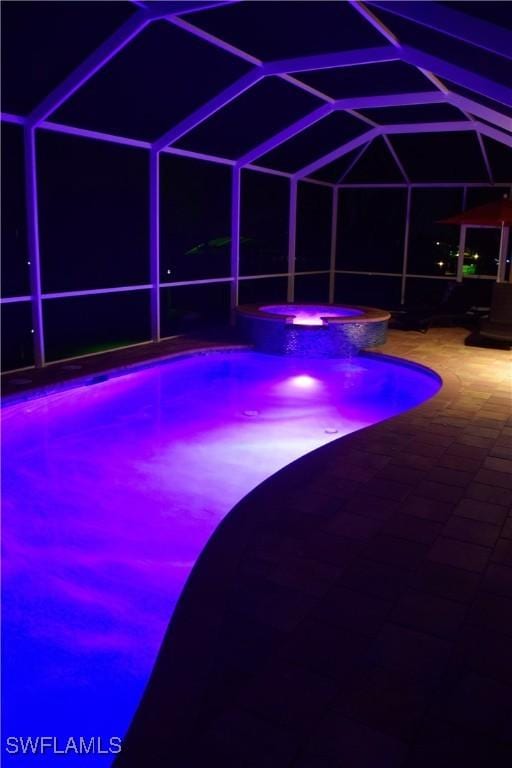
column 312, row 330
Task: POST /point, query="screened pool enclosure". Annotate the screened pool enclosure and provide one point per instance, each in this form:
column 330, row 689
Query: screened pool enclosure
column 166, row 161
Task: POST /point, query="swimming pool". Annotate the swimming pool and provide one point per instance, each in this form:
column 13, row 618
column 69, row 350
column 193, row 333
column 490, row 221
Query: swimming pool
column 111, row 492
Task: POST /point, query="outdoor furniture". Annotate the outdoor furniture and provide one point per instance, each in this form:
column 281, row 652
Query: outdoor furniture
column 498, row 326
column 451, row 309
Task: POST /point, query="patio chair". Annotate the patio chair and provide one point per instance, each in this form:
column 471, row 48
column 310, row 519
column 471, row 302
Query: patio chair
column 450, row 309
column 498, row 326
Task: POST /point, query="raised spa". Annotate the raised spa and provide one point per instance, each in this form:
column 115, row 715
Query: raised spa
column 312, row 330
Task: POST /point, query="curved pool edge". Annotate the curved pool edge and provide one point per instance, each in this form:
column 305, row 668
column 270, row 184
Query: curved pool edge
column 112, row 372
column 179, row 691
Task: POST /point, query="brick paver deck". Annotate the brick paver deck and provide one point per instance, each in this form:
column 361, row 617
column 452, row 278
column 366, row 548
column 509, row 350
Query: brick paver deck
column 356, row 609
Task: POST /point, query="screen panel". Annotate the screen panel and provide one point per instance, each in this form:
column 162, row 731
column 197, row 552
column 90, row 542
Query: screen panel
column 314, row 223
column 265, row 202
column 93, row 213
column 17, row 336
column 42, row 42
column 88, row 324
column 193, row 308
column 266, row 108
column 433, row 247
column 312, row 288
column 156, row 81
column 195, row 219
column 264, row 289
column 371, row 229
column 14, row 262
column 368, row 290
column 278, row 30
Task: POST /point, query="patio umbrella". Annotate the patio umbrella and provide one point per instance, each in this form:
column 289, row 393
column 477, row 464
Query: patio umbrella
column 495, row 214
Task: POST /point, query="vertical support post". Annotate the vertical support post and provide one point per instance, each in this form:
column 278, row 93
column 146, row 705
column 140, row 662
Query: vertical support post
column 235, row 237
column 506, row 248
column 460, row 258
column 462, row 242
column 33, row 244
column 405, row 258
column 334, row 241
column 154, row 241
column 502, row 259
column 292, row 240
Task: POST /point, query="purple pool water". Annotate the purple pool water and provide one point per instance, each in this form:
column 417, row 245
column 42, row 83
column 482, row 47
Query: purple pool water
column 308, row 314
column 111, row 492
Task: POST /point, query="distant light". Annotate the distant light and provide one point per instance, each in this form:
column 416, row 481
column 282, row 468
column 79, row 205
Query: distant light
column 31, row 330
column 440, row 263
column 28, row 262
column 168, row 271
column 476, row 256
column 438, row 243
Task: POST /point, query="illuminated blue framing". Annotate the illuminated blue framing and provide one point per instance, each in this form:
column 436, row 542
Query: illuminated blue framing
column 479, row 118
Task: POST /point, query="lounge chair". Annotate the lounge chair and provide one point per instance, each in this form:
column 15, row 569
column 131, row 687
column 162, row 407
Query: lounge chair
column 498, row 326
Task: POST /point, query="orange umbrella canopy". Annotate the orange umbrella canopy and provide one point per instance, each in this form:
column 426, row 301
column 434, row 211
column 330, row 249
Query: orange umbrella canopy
column 495, row 214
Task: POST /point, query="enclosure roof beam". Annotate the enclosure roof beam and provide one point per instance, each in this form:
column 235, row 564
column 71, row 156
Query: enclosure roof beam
column 391, row 100
column 210, row 108
column 177, row 21
column 168, row 8
column 379, row 25
column 456, row 74
column 86, row 133
column 351, row 58
column 207, row 37
column 485, row 158
column 479, row 110
column 392, row 151
column 494, row 133
column 431, row 66
column 337, row 153
column 404, row 128
column 287, row 133
column 362, row 102
column 92, row 64
column 354, row 162
column 7, row 117
column 483, row 34
column 440, row 127
column 305, row 63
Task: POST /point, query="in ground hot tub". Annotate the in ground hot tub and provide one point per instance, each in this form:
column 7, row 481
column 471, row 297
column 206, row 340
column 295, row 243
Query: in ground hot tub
column 312, row 330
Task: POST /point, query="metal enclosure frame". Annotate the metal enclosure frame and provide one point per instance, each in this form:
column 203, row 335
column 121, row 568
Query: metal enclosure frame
column 479, row 118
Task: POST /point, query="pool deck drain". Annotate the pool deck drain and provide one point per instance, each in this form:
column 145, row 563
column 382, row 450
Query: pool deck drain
column 355, row 609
